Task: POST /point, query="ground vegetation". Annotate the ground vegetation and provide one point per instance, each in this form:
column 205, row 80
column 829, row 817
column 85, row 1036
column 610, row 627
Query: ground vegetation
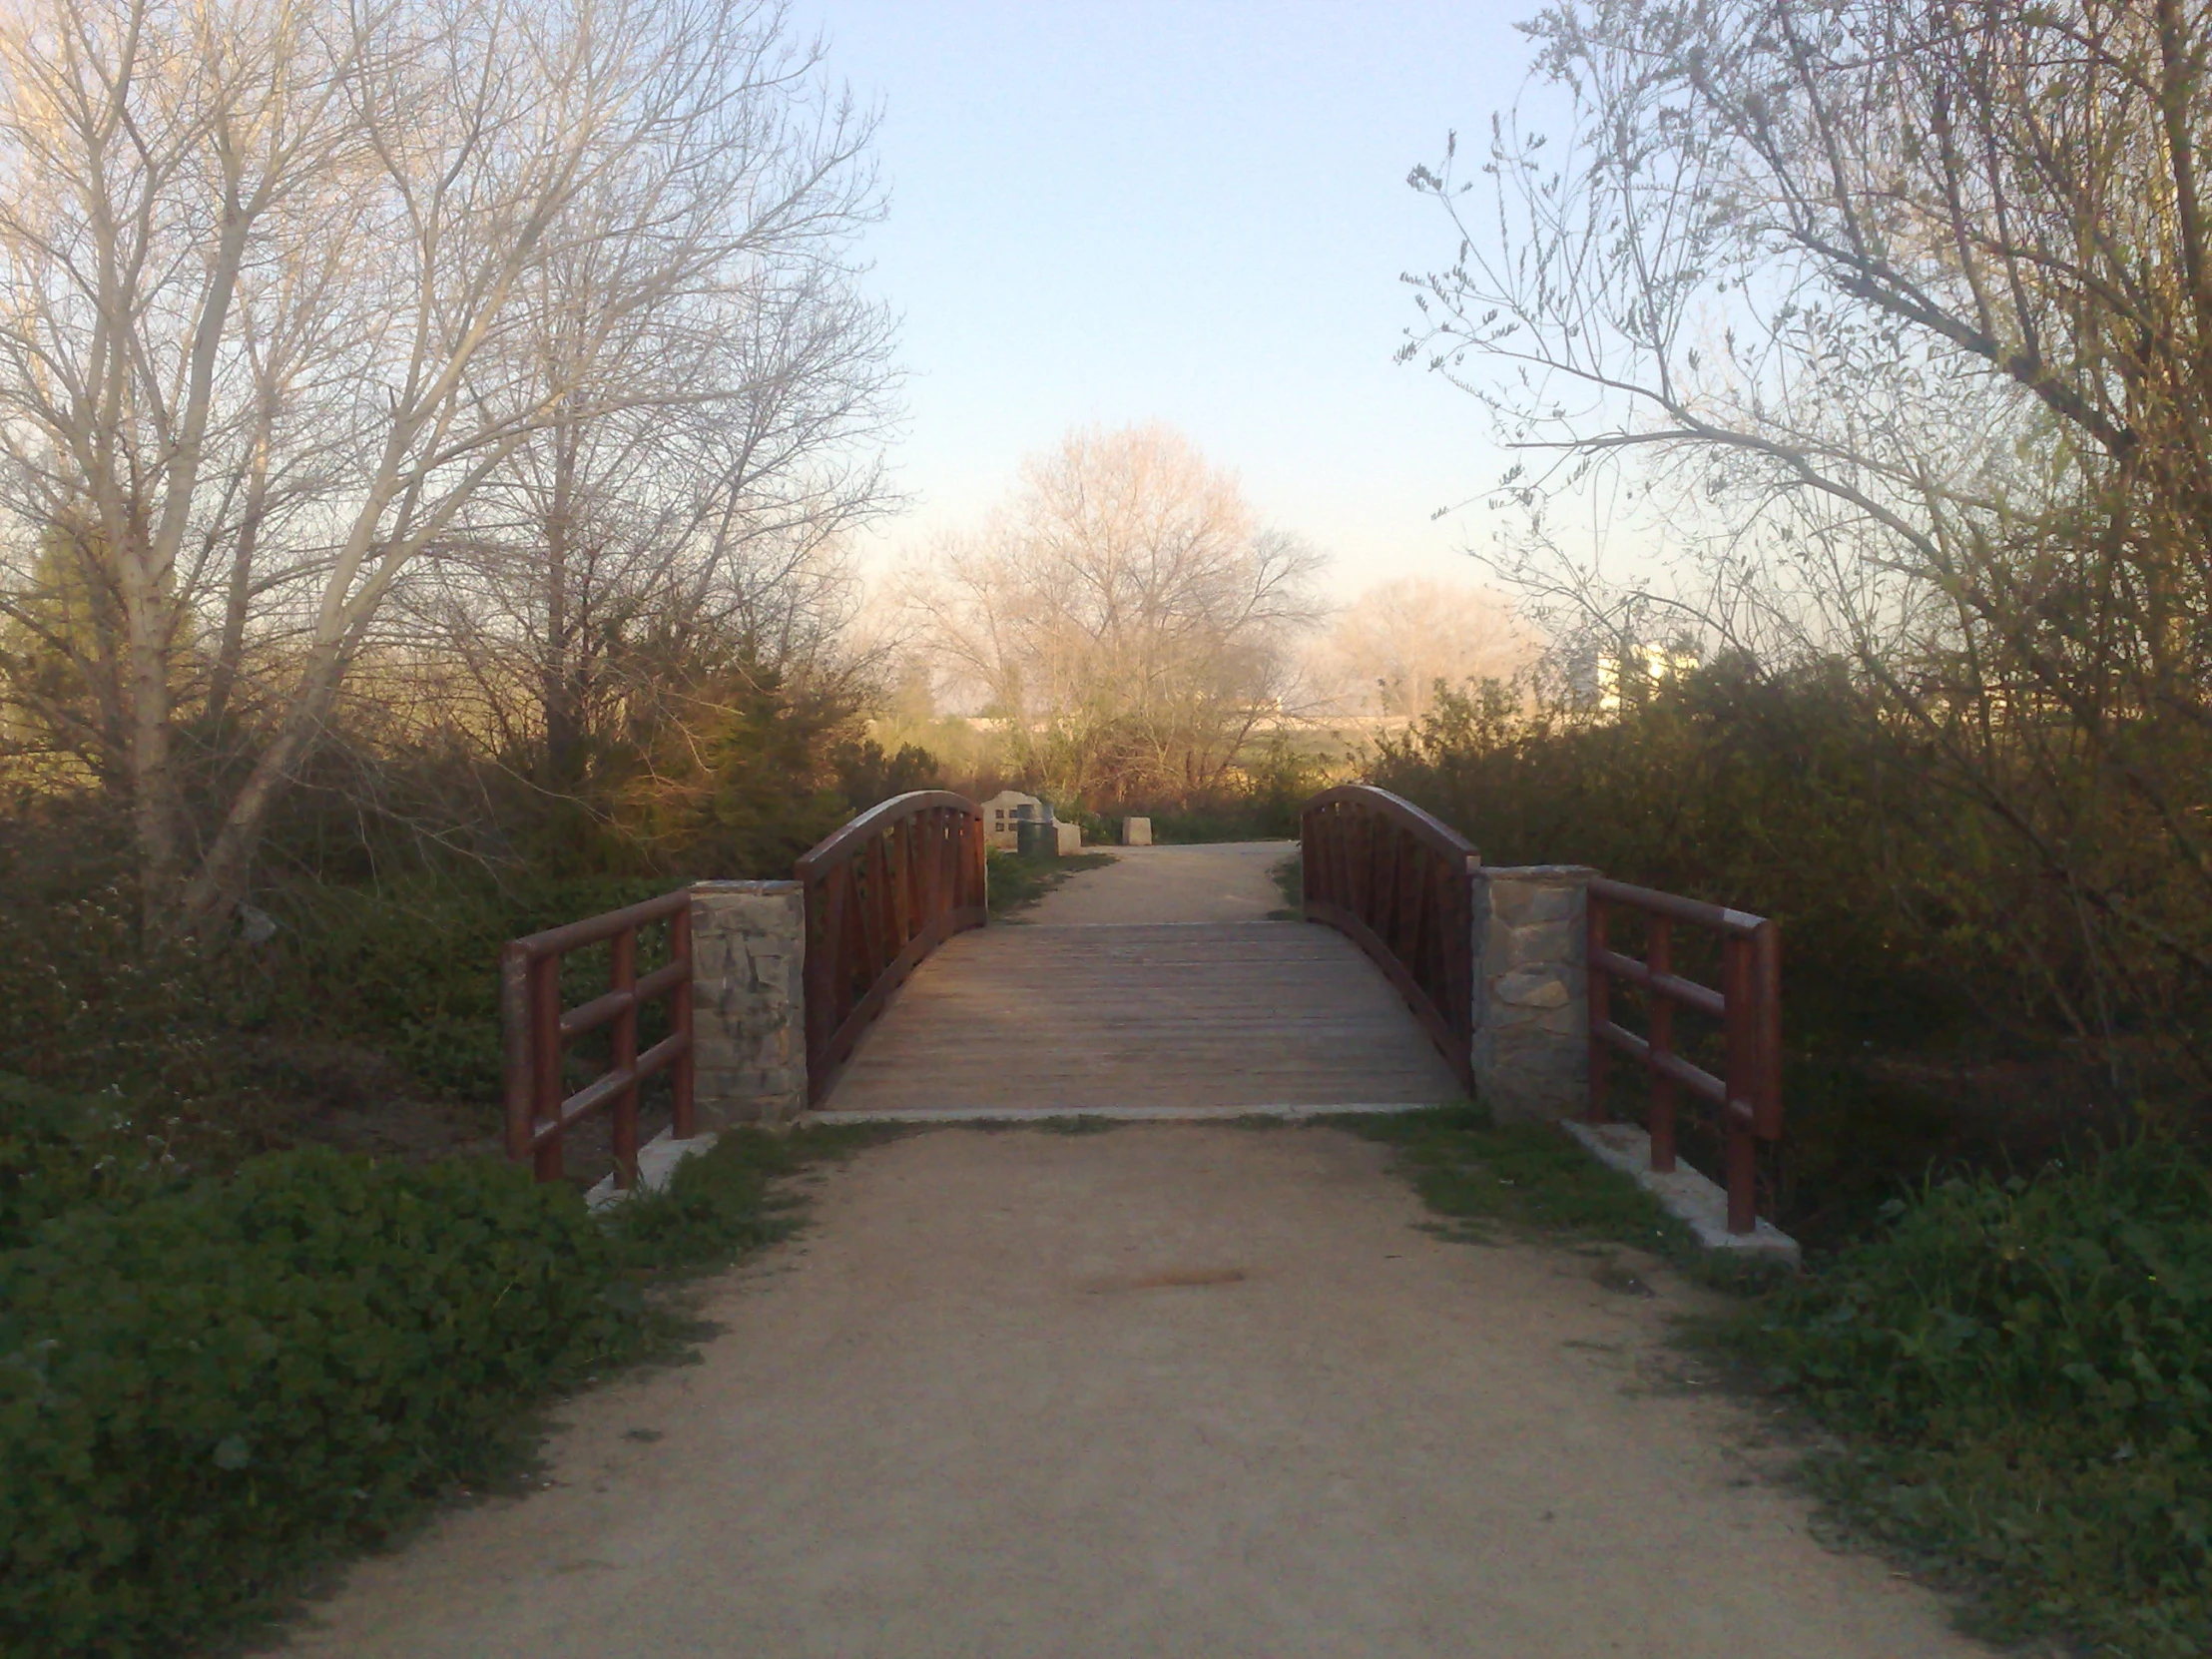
column 211, row 1387
column 1852, row 359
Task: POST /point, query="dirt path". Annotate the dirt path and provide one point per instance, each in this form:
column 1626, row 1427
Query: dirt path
column 1156, row 1391
column 1219, row 882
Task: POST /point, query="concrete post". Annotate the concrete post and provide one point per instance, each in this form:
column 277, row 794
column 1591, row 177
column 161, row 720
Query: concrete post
column 748, row 1009
column 1531, row 1056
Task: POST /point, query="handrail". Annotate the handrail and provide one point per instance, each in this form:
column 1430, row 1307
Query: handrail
column 1395, row 879
column 1370, row 798
column 538, row 1115
column 881, row 894
column 1749, row 1007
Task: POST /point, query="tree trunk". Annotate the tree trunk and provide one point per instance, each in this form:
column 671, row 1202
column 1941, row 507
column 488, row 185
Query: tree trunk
column 560, row 692
column 219, row 886
column 149, row 754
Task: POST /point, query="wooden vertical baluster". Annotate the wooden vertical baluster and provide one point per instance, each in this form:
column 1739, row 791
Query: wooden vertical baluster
column 869, row 882
column 932, row 869
column 1746, row 1062
column 1600, row 1000
column 1659, row 958
column 902, row 887
column 1766, row 946
column 545, row 1062
column 622, row 976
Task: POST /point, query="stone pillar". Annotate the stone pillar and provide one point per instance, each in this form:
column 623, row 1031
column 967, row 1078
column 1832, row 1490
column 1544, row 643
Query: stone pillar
column 749, row 1001
column 1531, row 1056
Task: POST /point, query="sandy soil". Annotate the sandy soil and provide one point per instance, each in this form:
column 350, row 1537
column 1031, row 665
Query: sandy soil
column 1168, row 1390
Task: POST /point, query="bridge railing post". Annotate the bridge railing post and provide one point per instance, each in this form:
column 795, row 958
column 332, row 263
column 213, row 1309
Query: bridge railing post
column 1530, row 1051
column 749, row 1001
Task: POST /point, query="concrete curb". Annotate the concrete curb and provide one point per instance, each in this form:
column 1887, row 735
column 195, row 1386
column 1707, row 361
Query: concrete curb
column 1116, row 1114
column 1685, row 1193
column 657, row 1161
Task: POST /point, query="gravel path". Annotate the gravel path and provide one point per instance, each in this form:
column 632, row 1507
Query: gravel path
column 1172, row 1391
column 1218, row 881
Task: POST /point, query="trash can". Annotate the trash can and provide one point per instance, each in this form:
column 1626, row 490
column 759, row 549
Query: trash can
column 1036, row 838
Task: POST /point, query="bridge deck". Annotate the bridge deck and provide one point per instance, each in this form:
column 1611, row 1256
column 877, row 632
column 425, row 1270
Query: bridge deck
column 1175, row 1016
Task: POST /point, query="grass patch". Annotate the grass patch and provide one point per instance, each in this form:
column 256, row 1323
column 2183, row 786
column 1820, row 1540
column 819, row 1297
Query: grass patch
column 1486, row 1178
column 1058, row 1123
column 732, row 1198
column 1289, row 881
column 1016, row 883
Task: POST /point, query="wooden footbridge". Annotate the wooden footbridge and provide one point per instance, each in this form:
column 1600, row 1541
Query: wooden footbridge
column 1429, row 980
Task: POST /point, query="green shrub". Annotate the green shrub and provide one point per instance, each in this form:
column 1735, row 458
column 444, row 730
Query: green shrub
column 419, row 960
column 204, row 1393
column 59, row 1152
column 2025, row 1365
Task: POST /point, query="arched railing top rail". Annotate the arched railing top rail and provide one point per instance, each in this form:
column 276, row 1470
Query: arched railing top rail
column 881, row 894
column 1397, row 881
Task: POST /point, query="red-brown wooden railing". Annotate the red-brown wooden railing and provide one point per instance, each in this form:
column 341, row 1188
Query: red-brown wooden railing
column 1397, row 881
column 1748, row 1100
column 881, row 894
column 537, row 1028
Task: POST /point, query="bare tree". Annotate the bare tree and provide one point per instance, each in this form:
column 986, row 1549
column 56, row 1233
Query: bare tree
column 1389, row 650
column 271, row 277
column 631, row 535
column 1125, row 613
column 1899, row 318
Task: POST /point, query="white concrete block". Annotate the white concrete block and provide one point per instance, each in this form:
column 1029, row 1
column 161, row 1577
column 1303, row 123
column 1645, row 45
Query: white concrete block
column 1684, row 1192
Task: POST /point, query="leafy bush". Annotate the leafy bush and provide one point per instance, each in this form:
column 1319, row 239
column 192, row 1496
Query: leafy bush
column 418, row 962
column 202, row 1392
column 59, row 1153
column 1773, row 794
column 2025, row 1365
column 86, row 1006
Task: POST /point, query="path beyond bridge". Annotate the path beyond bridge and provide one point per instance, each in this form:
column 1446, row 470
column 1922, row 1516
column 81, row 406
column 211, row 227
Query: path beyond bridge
column 1156, row 987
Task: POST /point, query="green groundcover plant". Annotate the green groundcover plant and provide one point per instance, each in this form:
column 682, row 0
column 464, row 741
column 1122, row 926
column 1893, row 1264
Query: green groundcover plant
column 2021, row 1373
column 205, row 1391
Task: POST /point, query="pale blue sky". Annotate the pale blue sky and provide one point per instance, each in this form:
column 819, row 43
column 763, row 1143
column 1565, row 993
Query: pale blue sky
column 1186, row 210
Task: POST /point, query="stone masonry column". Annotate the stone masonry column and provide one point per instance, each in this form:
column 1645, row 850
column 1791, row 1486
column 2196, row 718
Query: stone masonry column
column 749, row 1010
column 1531, row 1051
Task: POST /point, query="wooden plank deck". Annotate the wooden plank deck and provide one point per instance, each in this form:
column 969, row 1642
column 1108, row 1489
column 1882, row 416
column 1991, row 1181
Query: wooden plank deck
column 1191, row 1016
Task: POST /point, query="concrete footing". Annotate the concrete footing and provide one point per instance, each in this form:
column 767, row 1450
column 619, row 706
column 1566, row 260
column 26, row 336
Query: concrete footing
column 657, row 1161
column 1684, row 1193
